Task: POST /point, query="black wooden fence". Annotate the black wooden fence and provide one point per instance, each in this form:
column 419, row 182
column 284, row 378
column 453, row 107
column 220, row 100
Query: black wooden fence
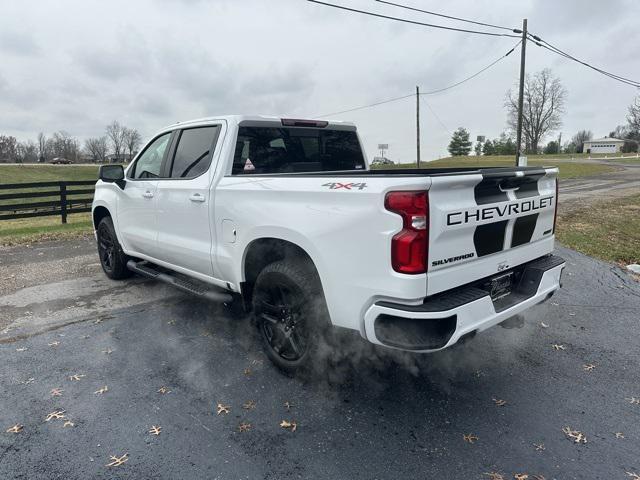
column 55, row 198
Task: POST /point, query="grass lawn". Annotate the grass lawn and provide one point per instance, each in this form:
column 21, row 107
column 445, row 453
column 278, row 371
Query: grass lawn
column 46, row 173
column 29, row 230
column 567, row 170
column 609, row 229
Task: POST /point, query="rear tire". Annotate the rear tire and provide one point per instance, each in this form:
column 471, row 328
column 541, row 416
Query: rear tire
column 112, row 258
column 290, row 313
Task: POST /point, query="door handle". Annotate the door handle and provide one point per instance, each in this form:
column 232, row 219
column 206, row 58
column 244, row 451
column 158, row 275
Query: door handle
column 147, row 194
column 196, row 197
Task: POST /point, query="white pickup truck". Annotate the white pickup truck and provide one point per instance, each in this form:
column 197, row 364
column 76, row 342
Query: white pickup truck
column 287, row 214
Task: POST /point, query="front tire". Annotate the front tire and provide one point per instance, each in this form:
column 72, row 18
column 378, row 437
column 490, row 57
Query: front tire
column 112, row 258
column 290, row 314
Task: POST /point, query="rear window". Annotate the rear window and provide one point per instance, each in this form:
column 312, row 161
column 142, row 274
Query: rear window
column 261, row 150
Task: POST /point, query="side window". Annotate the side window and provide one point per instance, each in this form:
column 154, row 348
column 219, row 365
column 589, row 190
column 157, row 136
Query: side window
column 149, row 163
column 194, row 152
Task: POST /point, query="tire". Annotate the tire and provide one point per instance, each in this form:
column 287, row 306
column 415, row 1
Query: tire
column 112, row 258
column 290, row 313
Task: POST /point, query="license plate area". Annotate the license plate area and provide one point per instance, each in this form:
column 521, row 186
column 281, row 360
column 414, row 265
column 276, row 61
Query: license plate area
column 500, row 286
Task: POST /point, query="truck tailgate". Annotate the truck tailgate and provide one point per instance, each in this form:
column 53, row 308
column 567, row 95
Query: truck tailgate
column 488, row 221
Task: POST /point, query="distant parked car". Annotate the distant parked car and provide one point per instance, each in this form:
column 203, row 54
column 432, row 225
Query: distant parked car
column 61, row 161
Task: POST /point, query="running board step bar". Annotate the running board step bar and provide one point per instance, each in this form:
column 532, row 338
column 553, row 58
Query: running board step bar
column 194, row 287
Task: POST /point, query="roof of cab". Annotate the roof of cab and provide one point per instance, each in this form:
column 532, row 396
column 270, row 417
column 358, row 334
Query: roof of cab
column 236, row 119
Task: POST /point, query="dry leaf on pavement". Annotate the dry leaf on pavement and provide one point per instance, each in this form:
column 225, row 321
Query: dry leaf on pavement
column 469, row 437
column 576, row 436
column 55, row 415
column 289, row 425
column 494, row 476
column 117, row 461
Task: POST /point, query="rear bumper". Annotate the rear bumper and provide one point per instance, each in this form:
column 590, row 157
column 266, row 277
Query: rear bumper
column 445, row 318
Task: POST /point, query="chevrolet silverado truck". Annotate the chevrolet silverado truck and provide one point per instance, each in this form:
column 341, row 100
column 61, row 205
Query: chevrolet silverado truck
column 286, row 215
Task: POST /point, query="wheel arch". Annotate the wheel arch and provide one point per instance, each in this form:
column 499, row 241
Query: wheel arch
column 263, row 251
column 98, row 214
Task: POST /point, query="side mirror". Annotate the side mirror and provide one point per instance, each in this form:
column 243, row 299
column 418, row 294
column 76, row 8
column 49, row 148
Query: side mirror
column 111, row 173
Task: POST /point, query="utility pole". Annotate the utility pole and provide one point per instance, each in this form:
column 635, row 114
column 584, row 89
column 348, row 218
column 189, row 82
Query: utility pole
column 560, row 142
column 523, row 52
column 418, row 126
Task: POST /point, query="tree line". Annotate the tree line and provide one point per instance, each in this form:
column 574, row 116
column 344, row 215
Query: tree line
column 543, row 106
column 118, row 144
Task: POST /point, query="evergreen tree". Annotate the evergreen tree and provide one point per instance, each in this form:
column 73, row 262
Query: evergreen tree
column 460, row 144
column 489, row 148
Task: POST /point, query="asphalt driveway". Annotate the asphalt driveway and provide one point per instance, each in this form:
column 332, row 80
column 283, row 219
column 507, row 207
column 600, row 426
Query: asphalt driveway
column 498, row 404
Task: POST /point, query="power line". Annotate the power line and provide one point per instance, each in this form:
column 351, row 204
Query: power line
column 438, row 118
column 443, row 27
column 475, row 74
column 367, row 106
column 406, row 7
column 546, row 45
column 432, row 92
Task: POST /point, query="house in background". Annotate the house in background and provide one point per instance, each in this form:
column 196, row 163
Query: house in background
column 603, row 145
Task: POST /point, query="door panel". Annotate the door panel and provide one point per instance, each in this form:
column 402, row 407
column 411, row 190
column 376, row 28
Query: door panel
column 137, row 215
column 184, row 203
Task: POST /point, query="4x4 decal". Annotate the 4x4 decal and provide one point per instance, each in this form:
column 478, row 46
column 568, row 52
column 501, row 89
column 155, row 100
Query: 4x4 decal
column 346, row 186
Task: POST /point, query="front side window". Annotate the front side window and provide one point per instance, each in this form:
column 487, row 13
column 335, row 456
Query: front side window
column 194, row 152
column 149, row 163
column 263, row 150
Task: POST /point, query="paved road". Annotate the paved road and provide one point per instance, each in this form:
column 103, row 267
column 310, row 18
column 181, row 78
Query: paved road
column 578, row 191
column 371, row 416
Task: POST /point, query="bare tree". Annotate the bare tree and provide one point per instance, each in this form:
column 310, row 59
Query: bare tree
column 544, row 99
column 116, row 134
column 27, row 151
column 8, row 149
column 96, row 148
column 577, row 141
column 42, row 147
column 132, row 140
column 63, row 145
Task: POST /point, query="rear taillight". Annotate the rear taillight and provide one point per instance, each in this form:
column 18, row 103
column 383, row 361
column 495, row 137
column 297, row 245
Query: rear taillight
column 409, row 246
column 555, row 212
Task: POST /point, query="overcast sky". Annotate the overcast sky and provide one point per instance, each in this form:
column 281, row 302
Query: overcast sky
column 77, row 65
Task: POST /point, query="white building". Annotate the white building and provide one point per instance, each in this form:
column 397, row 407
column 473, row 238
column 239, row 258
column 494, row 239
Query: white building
column 603, row 145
